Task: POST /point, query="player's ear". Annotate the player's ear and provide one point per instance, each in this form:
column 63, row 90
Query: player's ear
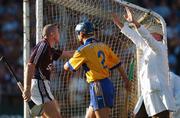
column 52, row 34
column 81, row 34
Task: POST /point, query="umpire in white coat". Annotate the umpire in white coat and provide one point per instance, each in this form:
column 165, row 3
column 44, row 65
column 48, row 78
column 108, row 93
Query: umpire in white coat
column 156, row 98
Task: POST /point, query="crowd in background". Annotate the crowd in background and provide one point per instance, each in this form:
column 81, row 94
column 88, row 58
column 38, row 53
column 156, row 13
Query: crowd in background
column 11, row 43
column 11, row 40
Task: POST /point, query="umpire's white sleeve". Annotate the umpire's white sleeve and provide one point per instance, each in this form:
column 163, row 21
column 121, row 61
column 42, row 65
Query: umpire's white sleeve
column 156, row 46
column 175, row 80
column 133, row 36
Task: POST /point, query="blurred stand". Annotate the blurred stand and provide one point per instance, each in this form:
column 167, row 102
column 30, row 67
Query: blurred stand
column 11, row 40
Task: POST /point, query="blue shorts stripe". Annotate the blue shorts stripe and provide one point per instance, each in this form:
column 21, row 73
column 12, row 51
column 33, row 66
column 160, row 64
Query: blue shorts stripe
column 101, row 94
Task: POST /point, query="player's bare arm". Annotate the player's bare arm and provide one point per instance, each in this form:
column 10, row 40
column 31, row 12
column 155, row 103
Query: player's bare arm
column 124, row 77
column 27, row 88
column 67, row 54
column 66, row 67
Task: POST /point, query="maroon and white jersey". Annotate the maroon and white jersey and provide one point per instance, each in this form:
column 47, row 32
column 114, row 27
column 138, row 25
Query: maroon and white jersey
column 42, row 55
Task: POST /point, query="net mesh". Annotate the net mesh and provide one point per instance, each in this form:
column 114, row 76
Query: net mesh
column 71, row 89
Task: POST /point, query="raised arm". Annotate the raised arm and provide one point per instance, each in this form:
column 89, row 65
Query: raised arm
column 131, row 34
column 150, row 40
column 117, row 21
column 146, row 36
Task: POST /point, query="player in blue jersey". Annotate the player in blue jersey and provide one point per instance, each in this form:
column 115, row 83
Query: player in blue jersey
column 38, row 71
column 97, row 60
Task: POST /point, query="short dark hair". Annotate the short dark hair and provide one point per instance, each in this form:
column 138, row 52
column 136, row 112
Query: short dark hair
column 48, row 29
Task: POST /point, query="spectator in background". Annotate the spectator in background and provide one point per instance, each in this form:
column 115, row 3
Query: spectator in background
column 162, row 9
column 11, row 37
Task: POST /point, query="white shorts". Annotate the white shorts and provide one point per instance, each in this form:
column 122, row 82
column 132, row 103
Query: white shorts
column 40, row 91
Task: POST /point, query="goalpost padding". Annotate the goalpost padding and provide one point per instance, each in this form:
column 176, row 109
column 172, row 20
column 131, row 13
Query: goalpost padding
column 71, row 89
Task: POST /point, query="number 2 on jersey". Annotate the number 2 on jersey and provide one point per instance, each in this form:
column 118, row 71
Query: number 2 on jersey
column 101, row 54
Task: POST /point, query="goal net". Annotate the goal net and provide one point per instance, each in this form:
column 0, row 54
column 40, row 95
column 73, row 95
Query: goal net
column 70, row 88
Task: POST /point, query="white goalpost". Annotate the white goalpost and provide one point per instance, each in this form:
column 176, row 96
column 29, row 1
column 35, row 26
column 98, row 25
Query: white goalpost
column 26, row 41
column 71, row 89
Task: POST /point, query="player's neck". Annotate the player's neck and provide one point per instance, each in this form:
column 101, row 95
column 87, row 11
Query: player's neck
column 50, row 42
column 85, row 39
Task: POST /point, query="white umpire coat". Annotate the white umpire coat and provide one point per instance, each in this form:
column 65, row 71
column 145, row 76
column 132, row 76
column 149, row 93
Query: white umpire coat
column 175, row 81
column 154, row 77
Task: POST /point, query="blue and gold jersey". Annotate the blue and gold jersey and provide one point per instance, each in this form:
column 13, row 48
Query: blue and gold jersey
column 96, row 58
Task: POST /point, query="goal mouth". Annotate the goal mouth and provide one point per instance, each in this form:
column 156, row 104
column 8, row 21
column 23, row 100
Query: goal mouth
column 70, row 89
